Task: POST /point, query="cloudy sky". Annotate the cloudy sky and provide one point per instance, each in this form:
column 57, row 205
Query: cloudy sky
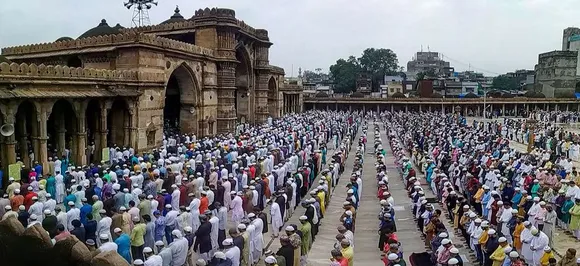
column 494, row 36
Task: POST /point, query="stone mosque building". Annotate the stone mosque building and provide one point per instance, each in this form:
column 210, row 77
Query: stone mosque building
column 127, row 86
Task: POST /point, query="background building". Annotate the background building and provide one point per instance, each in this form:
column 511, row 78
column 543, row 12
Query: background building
column 425, row 62
column 556, row 74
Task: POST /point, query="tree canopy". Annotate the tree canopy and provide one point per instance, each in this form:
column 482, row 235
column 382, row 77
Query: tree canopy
column 376, row 62
column 429, row 73
column 503, row 82
column 345, row 73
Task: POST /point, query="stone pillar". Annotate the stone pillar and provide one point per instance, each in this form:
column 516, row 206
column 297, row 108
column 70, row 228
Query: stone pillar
column 43, row 136
column 364, row 108
column 127, row 130
column 556, row 107
column 226, row 79
column 81, row 142
column 567, row 107
column 503, row 109
column 23, row 141
column 102, row 134
column 8, row 146
column 392, row 107
column 378, row 109
column 528, row 107
column 133, row 133
column 406, row 108
column 226, row 97
column 420, row 108
column 261, row 96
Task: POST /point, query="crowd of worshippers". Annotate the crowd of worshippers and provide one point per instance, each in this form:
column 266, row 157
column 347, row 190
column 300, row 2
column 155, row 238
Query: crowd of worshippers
column 555, row 116
column 176, row 203
column 551, row 141
column 505, row 204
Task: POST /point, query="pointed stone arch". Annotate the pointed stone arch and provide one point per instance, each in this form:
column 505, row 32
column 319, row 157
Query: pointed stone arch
column 273, row 97
column 245, row 96
column 182, row 101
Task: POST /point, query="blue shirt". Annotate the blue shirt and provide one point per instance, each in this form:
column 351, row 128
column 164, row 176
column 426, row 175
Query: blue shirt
column 124, row 246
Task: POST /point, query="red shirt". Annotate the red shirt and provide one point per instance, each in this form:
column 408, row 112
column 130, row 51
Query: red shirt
column 203, row 204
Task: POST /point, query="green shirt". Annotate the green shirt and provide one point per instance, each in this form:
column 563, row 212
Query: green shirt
column 137, row 235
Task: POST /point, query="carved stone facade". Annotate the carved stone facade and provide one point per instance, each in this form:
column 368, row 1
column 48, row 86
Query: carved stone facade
column 115, row 89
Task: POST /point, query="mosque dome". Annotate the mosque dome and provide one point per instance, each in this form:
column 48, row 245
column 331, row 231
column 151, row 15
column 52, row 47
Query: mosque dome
column 177, row 17
column 64, row 39
column 102, row 29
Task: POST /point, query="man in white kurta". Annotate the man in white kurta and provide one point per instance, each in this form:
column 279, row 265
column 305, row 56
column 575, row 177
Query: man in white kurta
column 257, row 238
column 505, row 217
column 533, row 211
column 526, row 237
column 73, row 214
column 276, row 216
column 175, row 197
column 232, row 251
column 36, row 208
column 236, row 207
column 104, row 227
column 537, row 245
column 194, row 207
column 214, row 221
column 227, row 189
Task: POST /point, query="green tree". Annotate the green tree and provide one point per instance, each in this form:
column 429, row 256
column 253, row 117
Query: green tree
column 310, row 75
column 428, row 73
column 379, row 62
column 344, row 73
column 503, row 82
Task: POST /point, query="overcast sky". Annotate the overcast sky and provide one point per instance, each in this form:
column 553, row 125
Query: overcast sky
column 494, row 36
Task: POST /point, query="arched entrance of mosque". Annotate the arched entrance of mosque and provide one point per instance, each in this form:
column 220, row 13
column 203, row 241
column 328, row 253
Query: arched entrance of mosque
column 61, row 128
column 272, row 98
column 118, row 124
column 93, row 127
column 26, row 128
column 181, row 101
column 244, row 85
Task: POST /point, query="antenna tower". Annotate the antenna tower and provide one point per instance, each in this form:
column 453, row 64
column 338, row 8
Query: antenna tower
column 140, row 11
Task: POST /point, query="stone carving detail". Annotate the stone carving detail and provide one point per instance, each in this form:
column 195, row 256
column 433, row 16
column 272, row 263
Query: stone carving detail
column 215, row 12
column 113, row 40
column 65, row 72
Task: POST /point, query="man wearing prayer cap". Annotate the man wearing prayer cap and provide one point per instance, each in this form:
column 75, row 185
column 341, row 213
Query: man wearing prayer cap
column 347, row 251
column 138, row 262
column 179, row 248
column 164, row 252
column 296, row 243
column 538, row 243
column 49, row 223
column 106, row 245
column 232, row 252
column 271, row 261
column 203, row 244
column 151, row 259
column 498, row 256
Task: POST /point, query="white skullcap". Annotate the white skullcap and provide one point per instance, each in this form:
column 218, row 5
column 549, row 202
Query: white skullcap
column 478, row 221
column 445, row 241
column 34, row 198
column 138, row 262
column 117, row 230
column 500, row 202
column 187, row 229
column 514, row 254
column 219, row 255
column 303, row 218
column 200, row 262
column 547, row 248
column 526, row 223
column 136, row 219
column 542, row 203
column 452, row 261
column 491, row 231
column 535, row 231
column 502, row 239
column 33, row 217
column 443, row 234
column 228, row 242
column 507, row 249
column 104, row 236
column 349, row 213
column 473, row 215
column 270, row 259
column 454, row 250
column 47, row 212
column 147, row 250
column 242, row 226
column 393, row 256
column 159, row 243
column 122, row 208
column 290, row 228
column 48, row 195
column 536, row 198
column 168, row 206
column 70, row 203
column 251, row 215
